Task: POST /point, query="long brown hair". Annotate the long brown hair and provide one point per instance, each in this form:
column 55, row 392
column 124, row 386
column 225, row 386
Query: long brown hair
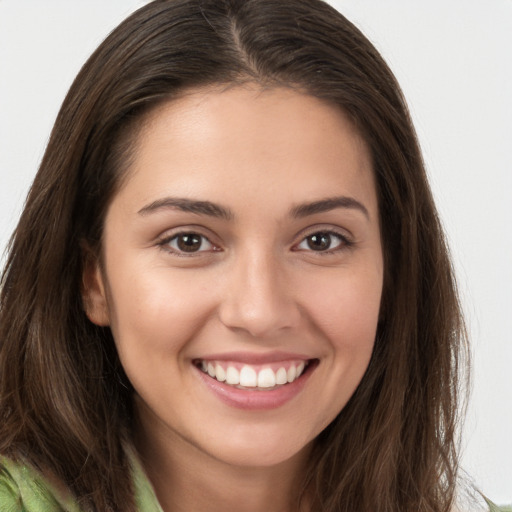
column 65, row 402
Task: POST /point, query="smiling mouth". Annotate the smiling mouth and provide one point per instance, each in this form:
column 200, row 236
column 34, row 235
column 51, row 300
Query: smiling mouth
column 254, row 377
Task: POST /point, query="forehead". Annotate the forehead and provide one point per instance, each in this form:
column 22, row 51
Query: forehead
column 249, row 140
column 237, row 114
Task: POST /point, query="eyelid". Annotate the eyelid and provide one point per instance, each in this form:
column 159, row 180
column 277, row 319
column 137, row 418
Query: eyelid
column 164, row 240
column 346, row 238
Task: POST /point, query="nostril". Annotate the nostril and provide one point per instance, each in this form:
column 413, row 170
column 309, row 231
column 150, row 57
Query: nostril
column 261, row 317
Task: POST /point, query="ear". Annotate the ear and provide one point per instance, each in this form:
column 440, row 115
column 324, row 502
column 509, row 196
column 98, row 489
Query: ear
column 93, row 291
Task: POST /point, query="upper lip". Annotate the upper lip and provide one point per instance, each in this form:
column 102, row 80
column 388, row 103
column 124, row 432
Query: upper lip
column 255, row 358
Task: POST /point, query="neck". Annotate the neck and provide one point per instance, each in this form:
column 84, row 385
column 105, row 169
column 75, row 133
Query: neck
column 186, row 478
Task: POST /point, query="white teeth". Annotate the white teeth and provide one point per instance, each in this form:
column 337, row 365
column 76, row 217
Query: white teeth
column 266, row 378
column 220, row 374
column 248, row 377
column 232, row 376
column 281, row 377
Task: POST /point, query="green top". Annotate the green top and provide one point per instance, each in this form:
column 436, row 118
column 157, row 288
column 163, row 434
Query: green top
column 24, row 489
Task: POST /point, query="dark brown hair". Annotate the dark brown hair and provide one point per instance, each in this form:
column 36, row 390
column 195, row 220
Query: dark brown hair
column 65, row 403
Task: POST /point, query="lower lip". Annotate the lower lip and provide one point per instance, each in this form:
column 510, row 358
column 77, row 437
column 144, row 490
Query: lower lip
column 254, row 399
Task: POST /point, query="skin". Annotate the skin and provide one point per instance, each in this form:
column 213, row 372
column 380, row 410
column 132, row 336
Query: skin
column 254, row 285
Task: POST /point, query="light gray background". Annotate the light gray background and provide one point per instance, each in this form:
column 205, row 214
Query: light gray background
column 453, row 60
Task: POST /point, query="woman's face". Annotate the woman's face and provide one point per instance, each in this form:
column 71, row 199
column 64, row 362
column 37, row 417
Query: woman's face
column 242, row 272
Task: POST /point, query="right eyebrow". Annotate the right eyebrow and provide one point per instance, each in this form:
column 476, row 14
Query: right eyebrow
column 188, row 205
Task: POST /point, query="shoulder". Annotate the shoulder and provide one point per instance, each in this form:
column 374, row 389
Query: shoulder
column 24, row 489
column 495, row 508
column 470, row 499
column 145, row 496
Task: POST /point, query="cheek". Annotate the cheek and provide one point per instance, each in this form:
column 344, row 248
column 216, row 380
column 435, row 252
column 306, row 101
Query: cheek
column 346, row 309
column 154, row 315
column 155, row 309
column 343, row 309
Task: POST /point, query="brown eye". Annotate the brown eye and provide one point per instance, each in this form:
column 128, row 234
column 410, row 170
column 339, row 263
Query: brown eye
column 319, row 241
column 322, row 241
column 190, row 242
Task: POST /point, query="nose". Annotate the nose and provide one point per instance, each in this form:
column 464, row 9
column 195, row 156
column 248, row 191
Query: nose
column 258, row 297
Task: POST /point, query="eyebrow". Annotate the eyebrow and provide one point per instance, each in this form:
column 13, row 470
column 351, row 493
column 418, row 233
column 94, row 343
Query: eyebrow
column 325, row 205
column 215, row 210
column 188, row 205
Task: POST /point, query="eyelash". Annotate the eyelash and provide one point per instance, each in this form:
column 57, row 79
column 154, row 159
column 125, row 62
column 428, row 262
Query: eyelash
column 344, row 243
column 165, row 244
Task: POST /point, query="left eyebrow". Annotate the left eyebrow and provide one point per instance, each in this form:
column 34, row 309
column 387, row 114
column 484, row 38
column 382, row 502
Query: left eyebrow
column 325, row 205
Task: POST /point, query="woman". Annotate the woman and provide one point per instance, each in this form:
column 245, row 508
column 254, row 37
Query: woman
column 229, row 286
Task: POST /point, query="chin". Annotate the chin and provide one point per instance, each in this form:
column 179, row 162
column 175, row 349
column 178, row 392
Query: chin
column 259, row 449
